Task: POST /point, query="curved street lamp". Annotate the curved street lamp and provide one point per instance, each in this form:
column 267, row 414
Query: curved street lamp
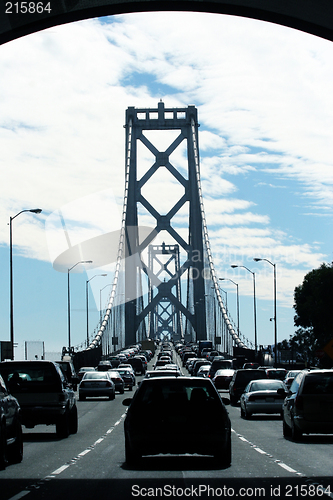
column 11, row 299
column 275, row 323
column 69, row 300
column 254, row 305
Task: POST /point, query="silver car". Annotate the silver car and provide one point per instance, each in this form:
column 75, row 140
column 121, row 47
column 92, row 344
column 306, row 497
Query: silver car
column 96, row 384
column 263, row 396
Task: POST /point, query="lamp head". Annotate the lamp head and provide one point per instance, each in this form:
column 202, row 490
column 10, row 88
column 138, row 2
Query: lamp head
column 233, row 266
column 256, row 259
column 36, row 210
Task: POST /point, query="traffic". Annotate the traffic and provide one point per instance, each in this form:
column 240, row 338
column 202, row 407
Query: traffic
column 192, row 409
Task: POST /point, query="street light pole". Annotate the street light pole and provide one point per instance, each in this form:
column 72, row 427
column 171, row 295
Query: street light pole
column 11, row 293
column 254, row 305
column 228, row 279
column 275, row 321
column 87, row 305
column 69, row 300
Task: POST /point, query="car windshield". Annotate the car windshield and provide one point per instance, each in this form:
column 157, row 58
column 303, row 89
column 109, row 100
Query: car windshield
column 95, row 375
column 267, row 385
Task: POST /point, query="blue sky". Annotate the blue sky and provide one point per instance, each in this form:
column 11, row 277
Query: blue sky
column 264, row 99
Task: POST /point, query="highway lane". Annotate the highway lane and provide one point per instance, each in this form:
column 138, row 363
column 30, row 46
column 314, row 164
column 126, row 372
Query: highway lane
column 91, row 464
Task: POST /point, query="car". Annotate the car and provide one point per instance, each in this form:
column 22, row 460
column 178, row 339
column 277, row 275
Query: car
column 186, row 415
column 162, row 373
column 96, row 384
column 219, row 363
column 83, row 370
column 43, row 393
column 212, row 355
column 222, row 378
column 277, row 373
column 11, row 439
column 308, row 406
column 251, row 366
column 197, row 364
column 117, row 380
column 263, row 396
column 68, row 370
column 162, row 362
column 290, row 377
column 104, row 366
column 115, row 362
column 240, row 379
column 203, row 371
column 128, row 377
column 137, row 365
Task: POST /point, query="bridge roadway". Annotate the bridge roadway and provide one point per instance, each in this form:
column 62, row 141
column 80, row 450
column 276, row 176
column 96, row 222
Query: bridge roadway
column 91, row 464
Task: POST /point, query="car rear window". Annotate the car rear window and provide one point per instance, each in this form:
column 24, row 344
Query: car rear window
column 321, row 383
column 42, row 378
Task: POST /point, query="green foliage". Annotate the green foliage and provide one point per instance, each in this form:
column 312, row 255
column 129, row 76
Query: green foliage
column 314, row 311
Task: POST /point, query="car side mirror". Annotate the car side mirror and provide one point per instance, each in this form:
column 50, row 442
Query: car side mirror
column 127, row 401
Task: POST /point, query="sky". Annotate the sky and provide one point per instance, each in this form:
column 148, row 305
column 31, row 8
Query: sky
column 264, row 100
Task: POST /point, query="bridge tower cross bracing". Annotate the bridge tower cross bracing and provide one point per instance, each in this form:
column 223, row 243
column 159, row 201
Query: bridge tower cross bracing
column 137, row 122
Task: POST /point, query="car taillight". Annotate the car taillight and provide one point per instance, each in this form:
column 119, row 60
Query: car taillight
column 299, row 403
column 108, row 383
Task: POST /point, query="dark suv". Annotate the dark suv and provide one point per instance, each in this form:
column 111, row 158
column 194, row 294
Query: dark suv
column 11, row 442
column 186, row 415
column 308, row 407
column 240, row 380
column 44, row 395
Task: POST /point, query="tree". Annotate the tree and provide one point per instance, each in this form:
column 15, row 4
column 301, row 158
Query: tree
column 314, row 311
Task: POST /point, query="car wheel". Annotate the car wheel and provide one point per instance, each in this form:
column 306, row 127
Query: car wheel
column 132, row 457
column 233, row 400
column 73, row 420
column 112, row 396
column 130, row 388
column 122, row 391
column 286, row 429
column 242, row 412
column 296, row 434
column 62, row 426
column 15, row 451
column 223, row 457
column 247, row 414
column 3, row 446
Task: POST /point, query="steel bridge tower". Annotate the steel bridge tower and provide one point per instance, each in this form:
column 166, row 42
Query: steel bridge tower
column 165, row 319
column 137, row 122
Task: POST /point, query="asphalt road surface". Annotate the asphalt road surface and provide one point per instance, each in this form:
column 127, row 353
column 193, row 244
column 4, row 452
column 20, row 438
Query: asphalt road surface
column 91, row 464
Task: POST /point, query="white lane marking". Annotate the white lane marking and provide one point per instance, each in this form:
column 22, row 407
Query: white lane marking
column 60, row 470
column 259, row 450
column 262, row 452
column 289, row 469
column 84, row 452
column 20, row 495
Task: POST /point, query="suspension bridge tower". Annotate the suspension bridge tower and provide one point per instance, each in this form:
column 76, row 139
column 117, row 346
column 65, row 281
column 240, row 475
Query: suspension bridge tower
column 139, row 123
